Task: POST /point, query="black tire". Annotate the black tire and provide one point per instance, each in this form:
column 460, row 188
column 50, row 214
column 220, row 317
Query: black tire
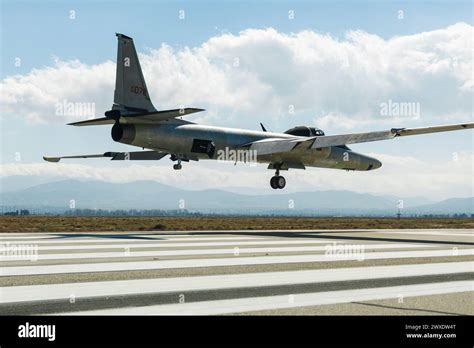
column 280, row 182
column 273, row 183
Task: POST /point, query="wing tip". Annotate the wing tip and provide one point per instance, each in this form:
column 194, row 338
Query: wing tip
column 51, row 159
column 188, row 111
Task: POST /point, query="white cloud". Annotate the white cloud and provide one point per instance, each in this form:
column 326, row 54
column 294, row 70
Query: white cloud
column 36, row 95
column 322, row 76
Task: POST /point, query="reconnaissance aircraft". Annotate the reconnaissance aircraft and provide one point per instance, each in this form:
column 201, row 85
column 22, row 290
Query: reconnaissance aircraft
column 136, row 122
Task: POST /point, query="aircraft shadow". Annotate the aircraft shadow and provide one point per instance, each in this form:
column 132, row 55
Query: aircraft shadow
column 406, row 309
column 321, row 235
column 283, row 234
column 104, row 236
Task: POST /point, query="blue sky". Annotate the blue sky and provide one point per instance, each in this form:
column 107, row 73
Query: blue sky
column 38, row 31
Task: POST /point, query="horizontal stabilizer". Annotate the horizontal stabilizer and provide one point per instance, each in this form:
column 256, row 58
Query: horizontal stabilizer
column 151, row 117
column 157, row 116
column 93, row 122
column 116, row 156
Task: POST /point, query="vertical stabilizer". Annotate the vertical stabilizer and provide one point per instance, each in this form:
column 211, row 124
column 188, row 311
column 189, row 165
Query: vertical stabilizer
column 131, row 94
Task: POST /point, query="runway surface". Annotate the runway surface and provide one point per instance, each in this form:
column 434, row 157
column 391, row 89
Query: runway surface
column 343, row 272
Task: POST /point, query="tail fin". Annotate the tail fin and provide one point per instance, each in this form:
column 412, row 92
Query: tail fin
column 131, row 95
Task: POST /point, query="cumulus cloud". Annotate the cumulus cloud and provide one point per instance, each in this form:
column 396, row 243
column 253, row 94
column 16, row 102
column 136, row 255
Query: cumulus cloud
column 262, row 75
column 36, row 96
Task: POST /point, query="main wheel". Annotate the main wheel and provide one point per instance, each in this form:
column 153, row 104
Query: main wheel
column 273, row 182
column 280, row 182
column 177, row 166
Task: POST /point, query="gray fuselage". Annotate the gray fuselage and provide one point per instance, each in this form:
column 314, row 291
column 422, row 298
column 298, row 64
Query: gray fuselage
column 189, row 141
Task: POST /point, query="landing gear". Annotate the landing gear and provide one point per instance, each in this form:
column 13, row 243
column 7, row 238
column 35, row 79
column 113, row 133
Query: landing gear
column 177, row 166
column 277, row 182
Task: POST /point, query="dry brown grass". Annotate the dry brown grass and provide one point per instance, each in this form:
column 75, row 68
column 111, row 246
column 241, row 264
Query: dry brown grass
column 97, row 224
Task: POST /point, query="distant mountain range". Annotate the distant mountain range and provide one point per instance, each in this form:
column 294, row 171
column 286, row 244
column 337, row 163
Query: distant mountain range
column 37, row 193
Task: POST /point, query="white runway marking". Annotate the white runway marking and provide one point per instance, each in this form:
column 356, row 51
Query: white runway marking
column 287, row 301
column 232, row 261
column 89, row 252
column 229, row 281
column 228, row 251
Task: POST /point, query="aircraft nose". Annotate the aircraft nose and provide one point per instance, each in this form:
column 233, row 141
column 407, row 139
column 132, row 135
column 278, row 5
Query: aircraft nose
column 372, row 163
column 376, row 164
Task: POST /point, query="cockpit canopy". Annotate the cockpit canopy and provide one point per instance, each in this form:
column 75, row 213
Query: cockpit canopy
column 304, row 131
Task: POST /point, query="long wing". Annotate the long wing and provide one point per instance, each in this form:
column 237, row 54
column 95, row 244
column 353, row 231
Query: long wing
column 151, row 117
column 335, row 140
column 116, row 156
column 278, row 145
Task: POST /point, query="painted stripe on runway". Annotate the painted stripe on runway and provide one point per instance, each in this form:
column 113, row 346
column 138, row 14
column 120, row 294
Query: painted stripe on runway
column 231, row 281
column 154, row 244
column 232, row 261
column 231, row 251
column 287, row 301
